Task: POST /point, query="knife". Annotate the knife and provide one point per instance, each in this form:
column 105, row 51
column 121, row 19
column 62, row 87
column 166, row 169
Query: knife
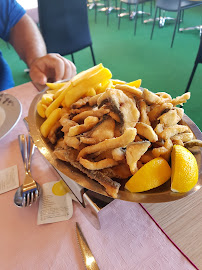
column 88, row 258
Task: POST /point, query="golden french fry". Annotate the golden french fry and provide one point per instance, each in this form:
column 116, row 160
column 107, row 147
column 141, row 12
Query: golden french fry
column 56, row 103
column 41, row 108
column 91, row 92
column 55, row 86
column 47, row 99
column 85, row 74
column 136, row 83
column 82, row 88
column 51, row 91
column 50, row 121
column 117, row 82
column 103, row 86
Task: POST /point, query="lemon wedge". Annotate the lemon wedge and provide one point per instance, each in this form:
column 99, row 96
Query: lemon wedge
column 184, row 169
column 60, row 188
column 153, row 174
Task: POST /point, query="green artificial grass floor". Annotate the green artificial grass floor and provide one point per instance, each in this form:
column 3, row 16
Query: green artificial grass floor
column 132, row 57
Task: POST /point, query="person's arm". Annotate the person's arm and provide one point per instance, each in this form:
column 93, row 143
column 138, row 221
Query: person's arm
column 28, row 42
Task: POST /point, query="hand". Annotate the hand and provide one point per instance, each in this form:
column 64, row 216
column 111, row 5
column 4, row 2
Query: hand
column 51, row 68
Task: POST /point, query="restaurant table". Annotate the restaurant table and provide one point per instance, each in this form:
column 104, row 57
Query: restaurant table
column 132, row 235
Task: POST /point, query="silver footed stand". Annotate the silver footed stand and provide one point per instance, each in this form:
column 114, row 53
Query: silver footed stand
column 198, row 27
column 161, row 19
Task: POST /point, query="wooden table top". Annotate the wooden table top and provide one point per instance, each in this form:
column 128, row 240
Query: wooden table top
column 182, row 222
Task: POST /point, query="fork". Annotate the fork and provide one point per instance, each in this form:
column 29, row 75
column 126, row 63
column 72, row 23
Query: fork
column 30, row 188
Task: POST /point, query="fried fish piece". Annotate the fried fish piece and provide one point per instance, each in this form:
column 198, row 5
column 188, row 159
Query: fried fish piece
column 152, row 98
column 146, row 131
column 157, row 110
column 118, row 154
column 70, row 155
column 99, row 165
column 165, row 96
column 122, row 104
column 163, row 151
column 169, row 118
column 131, row 89
column 134, row 151
column 144, row 118
column 80, row 103
column 79, row 118
column 193, row 143
column 181, row 99
column 72, row 142
column 122, row 141
column 173, row 130
column 184, row 137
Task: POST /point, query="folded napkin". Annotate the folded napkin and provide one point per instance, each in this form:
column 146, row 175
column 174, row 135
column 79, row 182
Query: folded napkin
column 130, row 239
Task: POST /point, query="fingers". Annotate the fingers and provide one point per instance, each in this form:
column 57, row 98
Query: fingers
column 70, row 68
column 51, row 67
column 37, row 75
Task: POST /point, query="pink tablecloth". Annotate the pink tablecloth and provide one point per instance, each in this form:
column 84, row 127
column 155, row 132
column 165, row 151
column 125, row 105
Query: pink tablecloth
column 128, row 238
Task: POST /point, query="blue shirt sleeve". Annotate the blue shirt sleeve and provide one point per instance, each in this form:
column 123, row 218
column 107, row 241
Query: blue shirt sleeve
column 10, row 13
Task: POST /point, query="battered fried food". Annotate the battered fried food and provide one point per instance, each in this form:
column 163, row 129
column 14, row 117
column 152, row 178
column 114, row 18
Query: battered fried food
column 111, row 128
column 102, row 164
column 89, row 122
column 122, row 141
column 172, row 130
column 123, row 105
column 134, row 151
column 146, row 131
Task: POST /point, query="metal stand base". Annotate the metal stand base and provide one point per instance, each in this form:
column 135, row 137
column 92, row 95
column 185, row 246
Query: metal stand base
column 91, row 6
column 109, row 9
column 133, row 14
column 161, row 20
column 198, row 27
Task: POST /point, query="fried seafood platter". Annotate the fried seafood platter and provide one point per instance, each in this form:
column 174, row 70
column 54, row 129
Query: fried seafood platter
column 100, row 132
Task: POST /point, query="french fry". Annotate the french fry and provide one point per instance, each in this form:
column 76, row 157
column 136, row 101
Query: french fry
column 85, row 74
column 91, row 92
column 47, row 99
column 50, row 121
column 41, row 108
column 51, row 91
column 117, row 82
column 103, row 86
column 55, row 86
column 82, row 88
column 136, row 83
column 56, row 103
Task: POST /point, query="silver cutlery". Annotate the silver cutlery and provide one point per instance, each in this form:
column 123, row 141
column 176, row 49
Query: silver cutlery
column 87, row 255
column 29, row 191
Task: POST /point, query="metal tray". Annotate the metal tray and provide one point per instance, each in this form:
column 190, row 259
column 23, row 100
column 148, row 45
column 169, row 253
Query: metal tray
column 160, row 194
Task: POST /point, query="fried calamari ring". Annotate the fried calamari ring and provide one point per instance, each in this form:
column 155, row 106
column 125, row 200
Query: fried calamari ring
column 89, row 122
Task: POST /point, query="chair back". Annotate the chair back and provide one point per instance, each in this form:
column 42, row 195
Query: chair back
column 170, row 5
column 64, row 25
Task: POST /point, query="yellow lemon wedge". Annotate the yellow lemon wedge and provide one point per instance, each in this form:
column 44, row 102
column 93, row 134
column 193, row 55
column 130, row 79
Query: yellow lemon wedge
column 153, row 174
column 60, row 188
column 184, row 169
